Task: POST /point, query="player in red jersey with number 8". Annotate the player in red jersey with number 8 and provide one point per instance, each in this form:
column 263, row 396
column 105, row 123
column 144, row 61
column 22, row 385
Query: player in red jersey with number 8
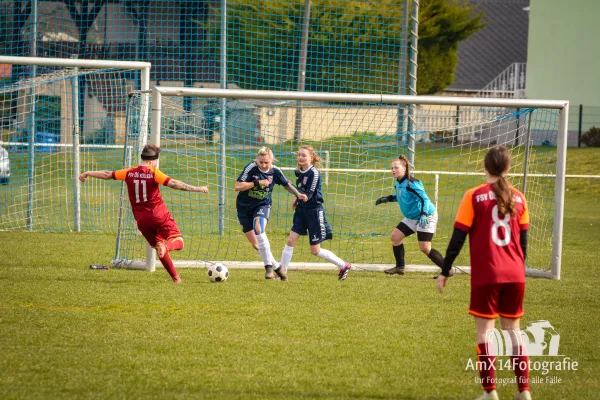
column 153, row 218
column 496, row 218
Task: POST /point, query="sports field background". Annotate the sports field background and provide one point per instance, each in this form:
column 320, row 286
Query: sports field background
column 70, row 332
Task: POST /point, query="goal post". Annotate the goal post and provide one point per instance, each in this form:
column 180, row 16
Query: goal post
column 357, row 135
column 59, row 117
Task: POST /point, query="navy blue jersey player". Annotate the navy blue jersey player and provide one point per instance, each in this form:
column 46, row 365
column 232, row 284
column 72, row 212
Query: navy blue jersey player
column 420, row 215
column 309, row 217
column 255, row 185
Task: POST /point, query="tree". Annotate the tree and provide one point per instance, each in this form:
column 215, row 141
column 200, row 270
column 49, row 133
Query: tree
column 442, row 25
column 354, row 46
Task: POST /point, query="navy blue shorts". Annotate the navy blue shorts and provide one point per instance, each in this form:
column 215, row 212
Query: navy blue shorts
column 246, row 216
column 312, row 220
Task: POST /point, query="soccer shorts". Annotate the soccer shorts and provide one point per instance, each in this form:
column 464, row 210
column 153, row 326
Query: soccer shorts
column 157, row 230
column 313, row 221
column 409, row 226
column 246, row 216
column 493, row 299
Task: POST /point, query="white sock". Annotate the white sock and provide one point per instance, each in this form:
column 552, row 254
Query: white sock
column 286, row 255
column 332, row 258
column 264, row 249
column 274, row 262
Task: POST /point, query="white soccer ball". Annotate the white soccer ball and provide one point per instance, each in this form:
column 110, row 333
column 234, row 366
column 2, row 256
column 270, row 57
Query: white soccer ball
column 218, row 273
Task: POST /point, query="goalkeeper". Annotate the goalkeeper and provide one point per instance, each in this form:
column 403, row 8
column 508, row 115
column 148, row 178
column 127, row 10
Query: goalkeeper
column 153, row 218
column 420, row 215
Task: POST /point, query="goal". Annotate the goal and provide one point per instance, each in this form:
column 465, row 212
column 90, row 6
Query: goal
column 59, row 117
column 208, row 142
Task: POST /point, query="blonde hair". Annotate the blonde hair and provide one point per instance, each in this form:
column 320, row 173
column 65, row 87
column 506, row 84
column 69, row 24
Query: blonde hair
column 265, row 151
column 314, row 157
column 497, row 163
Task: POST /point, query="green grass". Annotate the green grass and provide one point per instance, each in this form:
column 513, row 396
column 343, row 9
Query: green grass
column 70, row 332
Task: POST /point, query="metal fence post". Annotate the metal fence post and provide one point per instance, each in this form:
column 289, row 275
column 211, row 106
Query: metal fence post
column 580, row 125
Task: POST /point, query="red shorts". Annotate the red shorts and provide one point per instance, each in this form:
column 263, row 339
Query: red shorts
column 157, row 230
column 491, row 300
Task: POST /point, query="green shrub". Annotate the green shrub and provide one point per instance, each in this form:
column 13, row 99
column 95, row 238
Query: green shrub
column 592, row 137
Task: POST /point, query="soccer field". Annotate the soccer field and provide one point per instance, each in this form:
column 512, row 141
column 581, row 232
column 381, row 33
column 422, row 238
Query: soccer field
column 70, row 332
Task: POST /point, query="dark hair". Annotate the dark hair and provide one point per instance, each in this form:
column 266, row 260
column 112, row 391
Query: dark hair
column 406, row 164
column 497, row 163
column 150, row 152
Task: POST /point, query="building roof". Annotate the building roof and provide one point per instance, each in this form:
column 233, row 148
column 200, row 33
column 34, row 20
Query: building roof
column 487, row 53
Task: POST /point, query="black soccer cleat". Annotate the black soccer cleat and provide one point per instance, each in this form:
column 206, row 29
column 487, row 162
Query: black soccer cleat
column 395, row 271
column 281, row 273
column 269, row 272
column 451, row 274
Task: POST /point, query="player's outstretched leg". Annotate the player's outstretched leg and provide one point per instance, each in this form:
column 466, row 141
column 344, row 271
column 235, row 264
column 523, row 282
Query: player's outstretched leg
column 332, row 258
column 167, row 262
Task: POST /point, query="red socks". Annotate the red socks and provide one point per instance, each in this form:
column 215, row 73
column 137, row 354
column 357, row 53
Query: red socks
column 486, row 365
column 520, row 365
column 168, row 264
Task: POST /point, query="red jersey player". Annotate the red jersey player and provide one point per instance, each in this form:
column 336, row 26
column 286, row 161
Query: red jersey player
column 496, row 218
column 153, row 218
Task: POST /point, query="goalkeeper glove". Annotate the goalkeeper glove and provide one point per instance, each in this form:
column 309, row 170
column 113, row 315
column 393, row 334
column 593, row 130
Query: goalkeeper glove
column 385, row 199
column 423, row 221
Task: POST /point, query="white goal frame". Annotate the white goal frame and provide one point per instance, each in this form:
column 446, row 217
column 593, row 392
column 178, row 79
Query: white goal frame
column 562, row 106
column 143, row 67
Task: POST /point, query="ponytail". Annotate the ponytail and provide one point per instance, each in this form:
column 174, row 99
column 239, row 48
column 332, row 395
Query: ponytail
column 497, row 164
column 504, row 196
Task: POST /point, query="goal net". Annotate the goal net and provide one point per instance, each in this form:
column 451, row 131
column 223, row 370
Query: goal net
column 59, row 117
column 209, row 142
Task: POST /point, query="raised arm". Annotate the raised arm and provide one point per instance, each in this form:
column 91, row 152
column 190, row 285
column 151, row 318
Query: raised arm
column 178, row 185
column 106, row 175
